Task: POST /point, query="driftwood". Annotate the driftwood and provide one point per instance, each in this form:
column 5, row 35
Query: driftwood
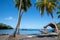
column 43, row 31
column 54, row 31
column 53, row 26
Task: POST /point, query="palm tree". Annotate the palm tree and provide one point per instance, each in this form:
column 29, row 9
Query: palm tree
column 21, row 5
column 49, row 5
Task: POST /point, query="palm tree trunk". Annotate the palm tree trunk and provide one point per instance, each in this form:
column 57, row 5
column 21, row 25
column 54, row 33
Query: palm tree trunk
column 19, row 19
column 55, row 25
column 20, row 22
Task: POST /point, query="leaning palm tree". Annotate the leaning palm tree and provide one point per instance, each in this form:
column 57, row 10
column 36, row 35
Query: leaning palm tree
column 49, row 5
column 20, row 5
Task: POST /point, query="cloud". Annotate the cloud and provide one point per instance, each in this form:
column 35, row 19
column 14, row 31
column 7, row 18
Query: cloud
column 9, row 18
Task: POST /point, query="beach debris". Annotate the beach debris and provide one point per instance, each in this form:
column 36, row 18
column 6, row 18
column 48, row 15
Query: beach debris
column 43, row 31
column 52, row 26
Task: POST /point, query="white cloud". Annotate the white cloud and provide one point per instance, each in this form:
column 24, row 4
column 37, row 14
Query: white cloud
column 9, row 18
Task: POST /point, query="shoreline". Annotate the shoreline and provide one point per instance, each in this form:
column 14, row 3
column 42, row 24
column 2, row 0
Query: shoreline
column 26, row 37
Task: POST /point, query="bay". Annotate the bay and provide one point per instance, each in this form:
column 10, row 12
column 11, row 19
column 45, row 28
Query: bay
column 22, row 31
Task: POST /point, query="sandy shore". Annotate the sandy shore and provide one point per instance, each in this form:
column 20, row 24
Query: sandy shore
column 27, row 37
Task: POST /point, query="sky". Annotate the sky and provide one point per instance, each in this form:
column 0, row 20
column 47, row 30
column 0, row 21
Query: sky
column 30, row 19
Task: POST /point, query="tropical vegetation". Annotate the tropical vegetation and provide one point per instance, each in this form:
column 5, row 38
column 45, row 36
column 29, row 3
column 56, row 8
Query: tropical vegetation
column 58, row 24
column 21, row 5
column 4, row 26
column 58, row 12
column 49, row 6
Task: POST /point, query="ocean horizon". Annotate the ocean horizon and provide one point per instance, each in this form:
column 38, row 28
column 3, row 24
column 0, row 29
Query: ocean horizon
column 22, row 31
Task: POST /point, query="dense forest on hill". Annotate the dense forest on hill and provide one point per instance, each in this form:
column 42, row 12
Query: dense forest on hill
column 4, row 26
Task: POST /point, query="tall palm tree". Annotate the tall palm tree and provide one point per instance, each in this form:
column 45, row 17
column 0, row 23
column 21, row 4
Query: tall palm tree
column 21, row 5
column 49, row 5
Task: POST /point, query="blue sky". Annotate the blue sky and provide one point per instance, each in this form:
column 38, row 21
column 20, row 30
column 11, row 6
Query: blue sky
column 30, row 19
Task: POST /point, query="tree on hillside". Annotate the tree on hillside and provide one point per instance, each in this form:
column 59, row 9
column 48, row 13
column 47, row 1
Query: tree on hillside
column 4, row 26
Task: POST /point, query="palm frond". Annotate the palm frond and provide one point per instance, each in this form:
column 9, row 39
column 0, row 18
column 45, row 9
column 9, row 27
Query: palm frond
column 47, row 10
column 53, row 0
column 25, row 4
column 50, row 12
column 48, row 4
column 28, row 3
column 54, row 3
column 58, row 12
column 38, row 5
column 59, row 16
column 58, row 7
column 42, row 10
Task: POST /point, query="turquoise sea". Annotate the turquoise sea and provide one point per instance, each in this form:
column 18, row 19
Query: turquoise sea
column 22, row 31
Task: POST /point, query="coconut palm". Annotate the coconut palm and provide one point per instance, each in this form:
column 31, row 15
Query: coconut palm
column 49, row 5
column 21, row 5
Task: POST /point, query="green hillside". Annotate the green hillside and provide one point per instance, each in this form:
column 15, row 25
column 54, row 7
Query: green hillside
column 4, row 26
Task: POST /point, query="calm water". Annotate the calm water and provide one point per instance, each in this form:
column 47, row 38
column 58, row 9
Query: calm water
column 29, row 31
